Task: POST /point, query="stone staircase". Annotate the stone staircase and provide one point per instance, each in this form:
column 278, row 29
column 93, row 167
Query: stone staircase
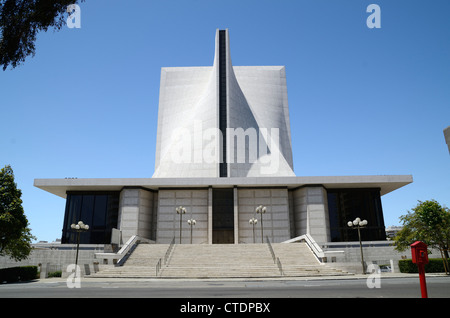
column 140, row 264
column 297, row 260
column 219, row 261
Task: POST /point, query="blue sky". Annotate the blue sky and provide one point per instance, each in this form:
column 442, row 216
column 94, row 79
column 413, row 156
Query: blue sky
column 362, row 101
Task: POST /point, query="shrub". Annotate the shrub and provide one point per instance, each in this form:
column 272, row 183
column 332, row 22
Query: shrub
column 54, row 274
column 435, row 265
column 20, row 273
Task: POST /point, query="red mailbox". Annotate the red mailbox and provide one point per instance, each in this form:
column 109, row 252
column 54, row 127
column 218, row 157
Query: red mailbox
column 419, row 253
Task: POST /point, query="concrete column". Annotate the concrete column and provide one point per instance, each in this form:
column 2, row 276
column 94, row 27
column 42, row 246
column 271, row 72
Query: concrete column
column 145, row 217
column 310, row 211
column 210, row 215
column 236, row 216
column 128, row 213
column 136, row 213
column 318, row 220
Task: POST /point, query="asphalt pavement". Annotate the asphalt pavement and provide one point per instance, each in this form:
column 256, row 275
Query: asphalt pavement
column 325, row 295
column 384, row 285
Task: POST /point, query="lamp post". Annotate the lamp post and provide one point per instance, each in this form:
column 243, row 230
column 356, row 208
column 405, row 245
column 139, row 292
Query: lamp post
column 191, row 222
column 79, row 228
column 181, row 210
column 253, row 222
column 261, row 210
column 358, row 224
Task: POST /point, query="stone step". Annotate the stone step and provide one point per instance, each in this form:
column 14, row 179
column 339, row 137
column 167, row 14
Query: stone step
column 205, row 255
column 219, row 260
column 295, row 254
column 147, row 254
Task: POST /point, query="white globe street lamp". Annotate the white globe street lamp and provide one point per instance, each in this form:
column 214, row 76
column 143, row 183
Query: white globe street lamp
column 79, row 228
column 261, row 210
column 191, row 222
column 253, row 222
column 181, row 210
column 357, row 224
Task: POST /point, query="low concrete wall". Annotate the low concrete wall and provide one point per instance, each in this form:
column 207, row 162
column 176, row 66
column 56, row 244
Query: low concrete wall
column 347, row 256
column 56, row 257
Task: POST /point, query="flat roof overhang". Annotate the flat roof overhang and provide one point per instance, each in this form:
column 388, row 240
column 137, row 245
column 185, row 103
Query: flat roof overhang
column 386, row 183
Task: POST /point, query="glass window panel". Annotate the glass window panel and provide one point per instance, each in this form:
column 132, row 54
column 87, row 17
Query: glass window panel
column 97, row 209
column 223, row 216
column 112, row 213
column 347, row 204
column 72, row 215
column 101, row 202
column 74, row 209
column 87, row 209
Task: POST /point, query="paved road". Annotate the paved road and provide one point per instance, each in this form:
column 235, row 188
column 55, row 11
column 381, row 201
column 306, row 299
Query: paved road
column 356, row 287
column 173, row 297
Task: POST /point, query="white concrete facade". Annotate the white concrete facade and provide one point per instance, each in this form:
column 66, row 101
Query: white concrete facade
column 276, row 222
column 138, row 211
column 196, row 203
column 295, row 206
column 258, row 138
column 139, row 214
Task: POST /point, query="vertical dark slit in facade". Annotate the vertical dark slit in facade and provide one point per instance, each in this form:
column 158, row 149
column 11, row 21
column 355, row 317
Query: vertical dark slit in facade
column 223, row 102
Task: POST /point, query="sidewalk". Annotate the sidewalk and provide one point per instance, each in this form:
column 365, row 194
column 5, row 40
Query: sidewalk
column 281, row 278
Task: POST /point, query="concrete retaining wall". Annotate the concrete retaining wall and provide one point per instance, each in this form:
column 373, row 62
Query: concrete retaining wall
column 56, row 257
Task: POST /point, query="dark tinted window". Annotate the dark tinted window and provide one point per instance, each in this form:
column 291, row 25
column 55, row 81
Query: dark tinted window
column 223, row 216
column 345, row 205
column 97, row 209
column 223, row 102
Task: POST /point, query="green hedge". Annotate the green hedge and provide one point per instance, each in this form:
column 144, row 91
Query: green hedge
column 435, row 265
column 54, row 274
column 20, row 273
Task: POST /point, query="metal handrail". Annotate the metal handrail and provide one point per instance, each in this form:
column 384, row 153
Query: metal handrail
column 158, row 267
column 271, row 249
column 169, row 250
column 275, row 259
column 166, row 257
column 279, row 266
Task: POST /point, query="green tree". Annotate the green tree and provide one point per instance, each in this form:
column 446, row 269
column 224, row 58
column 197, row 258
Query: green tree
column 428, row 222
column 15, row 236
column 20, row 22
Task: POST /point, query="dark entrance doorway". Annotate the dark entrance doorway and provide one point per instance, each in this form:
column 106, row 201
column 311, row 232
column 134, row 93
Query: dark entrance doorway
column 223, row 216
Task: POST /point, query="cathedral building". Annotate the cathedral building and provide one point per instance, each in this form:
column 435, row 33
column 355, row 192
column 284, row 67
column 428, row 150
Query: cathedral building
column 223, row 158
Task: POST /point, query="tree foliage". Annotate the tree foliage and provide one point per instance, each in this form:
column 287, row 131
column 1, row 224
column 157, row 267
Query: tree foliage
column 428, row 222
column 20, row 22
column 15, row 236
